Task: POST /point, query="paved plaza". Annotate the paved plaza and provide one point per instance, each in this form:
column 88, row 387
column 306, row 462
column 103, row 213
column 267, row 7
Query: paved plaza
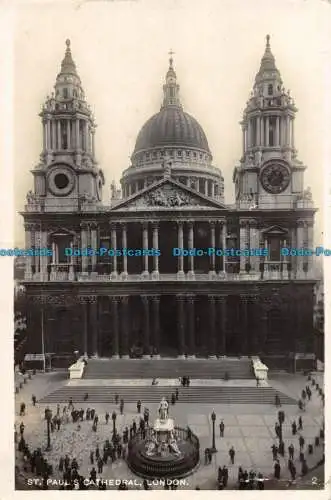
column 248, row 428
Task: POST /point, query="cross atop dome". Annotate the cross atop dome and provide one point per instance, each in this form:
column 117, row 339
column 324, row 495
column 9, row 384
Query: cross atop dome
column 171, row 53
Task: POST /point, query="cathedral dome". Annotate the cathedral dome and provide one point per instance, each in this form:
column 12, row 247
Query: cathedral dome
column 171, row 127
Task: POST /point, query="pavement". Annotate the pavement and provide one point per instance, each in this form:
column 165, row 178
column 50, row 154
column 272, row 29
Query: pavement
column 249, row 428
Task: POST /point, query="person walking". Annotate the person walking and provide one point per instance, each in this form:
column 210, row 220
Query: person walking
column 222, row 427
column 121, row 406
column 138, row 406
column 232, row 454
column 291, row 451
column 277, row 470
column 34, row 400
column 301, row 442
column 300, row 423
column 294, row 428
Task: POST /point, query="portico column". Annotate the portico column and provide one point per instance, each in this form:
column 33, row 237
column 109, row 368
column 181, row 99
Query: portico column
column 114, row 307
column 147, row 342
column 145, row 272
column 93, row 141
column 43, row 258
column 222, row 244
column 124, row 327
column 94, row 244
column 28, row 259
column 288, row 130
column 244, row 322
column 243, row 245
column 300, row 240
column 84, row 244
column 48, row 141
column 84, row 305
column 156, row 324
column 94, row 324
column 191, row 325
column 180, row 272
column 125, row 257
column 212, row 327
column 155, row 272
column 181, row 324
column 221, row 305
column 191, row 246
column 114, row 247
column 254, row 242
column 213, row 245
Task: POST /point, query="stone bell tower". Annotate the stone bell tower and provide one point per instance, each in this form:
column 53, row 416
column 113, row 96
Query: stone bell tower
column 269, row 174
column 67, row 176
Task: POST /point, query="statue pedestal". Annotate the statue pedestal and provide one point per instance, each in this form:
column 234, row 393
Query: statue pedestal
column 167, row 425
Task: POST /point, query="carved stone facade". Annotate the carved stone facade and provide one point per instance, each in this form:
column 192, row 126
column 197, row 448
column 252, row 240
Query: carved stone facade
column 167, row 267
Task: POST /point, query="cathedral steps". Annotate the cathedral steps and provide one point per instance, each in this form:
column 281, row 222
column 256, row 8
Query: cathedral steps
column 154, row 394
column 166, row 368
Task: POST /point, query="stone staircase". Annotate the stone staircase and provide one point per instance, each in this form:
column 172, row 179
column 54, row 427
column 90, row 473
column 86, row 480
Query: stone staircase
column 153, row 394
column 169, row 368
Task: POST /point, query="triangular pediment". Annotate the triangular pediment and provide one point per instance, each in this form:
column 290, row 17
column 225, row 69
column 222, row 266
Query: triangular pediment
column 167, row 195
column 275, row 231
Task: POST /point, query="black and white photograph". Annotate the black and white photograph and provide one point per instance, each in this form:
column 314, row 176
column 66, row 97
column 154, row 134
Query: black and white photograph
column 169, row 241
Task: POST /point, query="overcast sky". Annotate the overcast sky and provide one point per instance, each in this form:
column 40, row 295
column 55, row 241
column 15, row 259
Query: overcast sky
column 121, row 52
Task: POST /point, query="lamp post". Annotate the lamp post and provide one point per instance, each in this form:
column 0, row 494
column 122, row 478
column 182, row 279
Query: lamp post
column 213, row 418
column 48, row 415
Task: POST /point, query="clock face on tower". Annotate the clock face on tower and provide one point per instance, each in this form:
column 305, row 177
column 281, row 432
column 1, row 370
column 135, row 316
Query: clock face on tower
column 60, row 180
column 275, row 178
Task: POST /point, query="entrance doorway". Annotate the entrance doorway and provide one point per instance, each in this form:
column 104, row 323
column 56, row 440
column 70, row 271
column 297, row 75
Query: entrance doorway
column 168, row 326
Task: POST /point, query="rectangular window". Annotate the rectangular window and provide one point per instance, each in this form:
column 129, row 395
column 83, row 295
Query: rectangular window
column 274, row 249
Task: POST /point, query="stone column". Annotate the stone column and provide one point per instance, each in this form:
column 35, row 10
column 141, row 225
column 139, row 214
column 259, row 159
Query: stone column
column 277, row 132
column 244, row 322
column 77, row 135
column 310, row 241
column 221, row 306
column 124, row 327
column 147, row 341
column 86, row 141
column 267, row 131
column 53, row 135
column 155, row 273
column 43, row 258
column 191, row 325
column 212, row 327
column 145, row 272
column 45, row 136
column 94, row 324
column 300, row 240
column 156, row 324
column 28, row 259
column 125, row 258
column 254, row 325
column 254, row 242
column 113, row 238
column 292, row 134
column 244, row 140
column 262, row 131
column 249, row 134
column 181, row 324
column 93, row 141
column 180, row 272
column 223, row 245
column 94, row 244
column 288, row 131
column 212, row 271
column 243, row 244
column 191, row 246
column 48, row 140
column 84, row 244
column 59, row 141
column 115, row 325
column 258, row 131
column 84, row 305
column 68, row 134
column 206, row 187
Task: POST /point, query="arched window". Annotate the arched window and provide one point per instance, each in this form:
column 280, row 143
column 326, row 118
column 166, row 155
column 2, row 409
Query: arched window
column 65, row 93
column 270, row 89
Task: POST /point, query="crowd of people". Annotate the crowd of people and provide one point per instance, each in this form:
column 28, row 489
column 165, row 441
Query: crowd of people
column 115, row 448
